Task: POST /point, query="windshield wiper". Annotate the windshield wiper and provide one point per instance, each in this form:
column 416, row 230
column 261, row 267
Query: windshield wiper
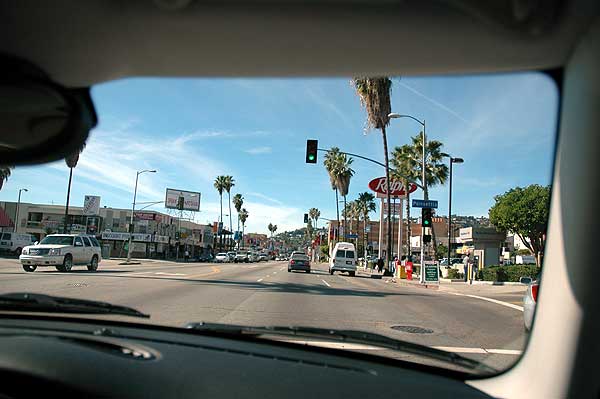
column 351, row 336
column 31, row 302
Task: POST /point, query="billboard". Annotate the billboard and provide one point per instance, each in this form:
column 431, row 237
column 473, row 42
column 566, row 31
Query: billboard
column 91, row 205
column 191, row 199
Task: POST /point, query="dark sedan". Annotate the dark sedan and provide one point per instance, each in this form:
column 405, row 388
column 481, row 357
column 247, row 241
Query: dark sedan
column 299, row 262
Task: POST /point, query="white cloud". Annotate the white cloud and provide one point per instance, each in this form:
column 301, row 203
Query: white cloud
column 265, row 197
column 259, row 150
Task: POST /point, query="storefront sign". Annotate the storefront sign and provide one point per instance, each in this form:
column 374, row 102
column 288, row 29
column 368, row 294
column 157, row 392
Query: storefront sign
column 125, row 236
column 91, row 205
column 396, row 188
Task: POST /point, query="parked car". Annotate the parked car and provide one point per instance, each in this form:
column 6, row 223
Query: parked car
column 253, row 257
column 263, row 257
column 13, row 243
column 222, row 257
column 343, row 258
column 530, row 301
column 299, row 262
column 206, row 257
column 241, row 257
column 62, row 251
column 231, row 256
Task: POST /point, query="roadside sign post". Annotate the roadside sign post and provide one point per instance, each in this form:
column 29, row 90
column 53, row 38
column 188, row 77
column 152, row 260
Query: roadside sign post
column 424, row 203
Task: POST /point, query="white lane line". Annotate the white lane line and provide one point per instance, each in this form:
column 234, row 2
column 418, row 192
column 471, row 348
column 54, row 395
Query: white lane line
column 482, row 351
column 259, row 280
column 171, row 274
column 355, row 346
column 274, row 272
column 507, row 304
column 326, row 283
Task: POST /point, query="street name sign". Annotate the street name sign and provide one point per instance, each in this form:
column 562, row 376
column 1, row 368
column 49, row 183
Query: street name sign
column 418, row 203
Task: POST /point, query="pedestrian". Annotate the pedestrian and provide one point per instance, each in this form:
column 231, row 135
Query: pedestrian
column 186, row 255
column 466, row 266
column 380, row 265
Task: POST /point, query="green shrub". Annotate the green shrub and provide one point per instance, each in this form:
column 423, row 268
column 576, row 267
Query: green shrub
column 455, row 274
column 511, row 273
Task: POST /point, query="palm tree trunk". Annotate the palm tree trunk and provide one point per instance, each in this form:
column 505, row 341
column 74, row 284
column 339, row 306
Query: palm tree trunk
column 337, row 208
column 345, row 219
column 365, row 238
column 230, row 224
column 408, row 227
column 221, row 235
column 67, row 206
column 388, row 250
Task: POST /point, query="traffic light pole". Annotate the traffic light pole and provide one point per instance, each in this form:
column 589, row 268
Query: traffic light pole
column 425, row 197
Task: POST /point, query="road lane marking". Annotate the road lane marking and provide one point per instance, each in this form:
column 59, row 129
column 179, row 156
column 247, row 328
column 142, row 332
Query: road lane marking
column 170, row 274
column 259, row 280
column 326, row 283
column 215, row 270
column 507, row 304
column 274, row 272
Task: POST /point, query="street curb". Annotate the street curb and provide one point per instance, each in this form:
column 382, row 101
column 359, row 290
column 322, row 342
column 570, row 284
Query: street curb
column 477, row 282
column 418, row 285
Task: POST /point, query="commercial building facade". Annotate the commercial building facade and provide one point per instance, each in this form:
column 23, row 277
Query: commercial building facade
column 156, row 235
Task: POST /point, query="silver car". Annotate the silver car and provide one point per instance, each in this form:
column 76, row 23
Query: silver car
column 529, row 303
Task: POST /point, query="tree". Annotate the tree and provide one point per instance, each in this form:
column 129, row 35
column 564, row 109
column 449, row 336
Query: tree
column 441, row 251
column 238, row 201
column 71, row 162
column 229, row 182
column 343, row 174
column 4, row 175
column 314, row 214
column 524, row 211
column 331, row 162
column 243, row 215
column 365, row 204
column 405, row 167
column 220, row 186
column 375, row 96
column 408, row 160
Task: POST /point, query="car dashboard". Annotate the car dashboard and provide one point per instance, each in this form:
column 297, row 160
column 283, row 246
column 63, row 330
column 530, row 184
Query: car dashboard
column 99, row 359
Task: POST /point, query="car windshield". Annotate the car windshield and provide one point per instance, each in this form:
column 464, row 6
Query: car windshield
column 57, row 240
column 273, row 169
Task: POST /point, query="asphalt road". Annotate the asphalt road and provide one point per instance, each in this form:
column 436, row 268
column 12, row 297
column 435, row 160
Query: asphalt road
column 266, row 294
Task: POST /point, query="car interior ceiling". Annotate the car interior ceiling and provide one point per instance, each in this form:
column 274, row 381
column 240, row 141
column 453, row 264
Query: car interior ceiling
column 80, row 44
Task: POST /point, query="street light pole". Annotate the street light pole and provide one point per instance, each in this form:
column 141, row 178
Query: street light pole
column 423, row 182
column 137, row 175
column 452, row 161
column 16, row 229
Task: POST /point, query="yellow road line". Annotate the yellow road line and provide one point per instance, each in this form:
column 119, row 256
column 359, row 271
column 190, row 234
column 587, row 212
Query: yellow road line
column 215, row 270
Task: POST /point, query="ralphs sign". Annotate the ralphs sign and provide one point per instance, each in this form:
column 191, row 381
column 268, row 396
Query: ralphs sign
column 396, row 188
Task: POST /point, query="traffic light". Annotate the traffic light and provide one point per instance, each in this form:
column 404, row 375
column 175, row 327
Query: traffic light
column 177, row 235
column 426, row 238
column 426, row 217
column 311, row 151
column 180, row 202
column 306, row 218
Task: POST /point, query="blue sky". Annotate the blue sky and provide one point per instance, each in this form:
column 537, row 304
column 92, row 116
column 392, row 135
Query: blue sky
column 192, row 130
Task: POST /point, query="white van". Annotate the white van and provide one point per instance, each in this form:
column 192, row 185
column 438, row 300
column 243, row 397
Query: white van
column 15, row 242
column 343, row 258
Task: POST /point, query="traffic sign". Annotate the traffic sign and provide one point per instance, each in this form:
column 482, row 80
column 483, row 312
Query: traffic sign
column 418, row 203
column 351, row 235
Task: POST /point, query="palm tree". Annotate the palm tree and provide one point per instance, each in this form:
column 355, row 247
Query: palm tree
column 365, row 205
column 220, row 186
column 71, row 162
column 228, row 184
column 410, row 164
column 332, row 159
column 406, row 165
column 243, row 215
column 314, row 214
column 343, row 173
column 238, row 201
column 375, row 96
column 4, row 175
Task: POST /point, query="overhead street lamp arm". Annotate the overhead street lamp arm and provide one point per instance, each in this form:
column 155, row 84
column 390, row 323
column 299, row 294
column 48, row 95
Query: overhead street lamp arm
column 397, row 116
column 378, row 163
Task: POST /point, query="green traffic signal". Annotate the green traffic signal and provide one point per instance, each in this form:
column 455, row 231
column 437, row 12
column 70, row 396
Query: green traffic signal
column 311, row 157
column 311, row 151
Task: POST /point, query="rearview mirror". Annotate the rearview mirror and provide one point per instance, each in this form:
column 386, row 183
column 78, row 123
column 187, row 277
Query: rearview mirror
column 40, row 120
column 525, row 280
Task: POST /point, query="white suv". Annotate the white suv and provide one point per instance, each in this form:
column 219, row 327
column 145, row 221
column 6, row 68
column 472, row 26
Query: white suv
column 62, row 251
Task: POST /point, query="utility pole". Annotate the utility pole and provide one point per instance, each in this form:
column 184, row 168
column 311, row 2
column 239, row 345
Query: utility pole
column 16, row 229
